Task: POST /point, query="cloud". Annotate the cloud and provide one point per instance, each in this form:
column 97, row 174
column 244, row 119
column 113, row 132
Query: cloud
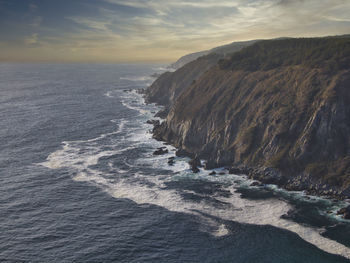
column 161, row 29
column 31, row 40
column 32, row 7
column 36, row 22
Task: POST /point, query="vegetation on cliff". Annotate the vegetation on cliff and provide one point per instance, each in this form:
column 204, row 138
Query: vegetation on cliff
column 166, row 89
column 310, row 52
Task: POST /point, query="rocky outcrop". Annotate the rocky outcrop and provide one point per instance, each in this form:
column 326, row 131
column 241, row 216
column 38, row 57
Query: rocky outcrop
column 288, row 119
column 160, row 151
column 345, row 212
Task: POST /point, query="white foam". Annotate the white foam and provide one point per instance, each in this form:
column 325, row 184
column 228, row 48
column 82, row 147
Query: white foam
column 137, row 78
column 109, row 94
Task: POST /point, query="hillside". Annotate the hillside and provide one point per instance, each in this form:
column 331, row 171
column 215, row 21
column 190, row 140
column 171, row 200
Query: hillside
column 279, row 104
column 188, row 58
column 221, row 50
column 169, row 85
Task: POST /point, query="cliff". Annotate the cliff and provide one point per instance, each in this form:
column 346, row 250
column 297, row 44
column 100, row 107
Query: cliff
column 221, row 50
column 166, row 89
column 280, row 107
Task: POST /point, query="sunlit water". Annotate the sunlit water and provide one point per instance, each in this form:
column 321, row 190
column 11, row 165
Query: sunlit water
column 79, row 183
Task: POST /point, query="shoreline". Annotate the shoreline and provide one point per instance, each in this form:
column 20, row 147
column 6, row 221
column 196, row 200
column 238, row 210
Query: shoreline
column 262, row 175
column 265, row 175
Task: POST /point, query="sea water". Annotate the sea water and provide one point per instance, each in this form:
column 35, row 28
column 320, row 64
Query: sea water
column 80, row 183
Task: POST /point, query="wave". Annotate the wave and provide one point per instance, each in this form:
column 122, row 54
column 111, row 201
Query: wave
column 137, row 78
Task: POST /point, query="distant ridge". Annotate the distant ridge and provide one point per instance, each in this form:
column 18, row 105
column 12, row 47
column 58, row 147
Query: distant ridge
column 221, row 50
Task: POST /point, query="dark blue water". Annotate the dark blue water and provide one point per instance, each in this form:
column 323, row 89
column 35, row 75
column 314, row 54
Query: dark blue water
column 79, row 183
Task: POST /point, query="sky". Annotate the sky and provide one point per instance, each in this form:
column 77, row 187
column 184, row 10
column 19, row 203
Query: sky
column 154, row 30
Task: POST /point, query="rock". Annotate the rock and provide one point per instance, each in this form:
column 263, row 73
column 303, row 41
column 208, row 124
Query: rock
column 160, row 151
column 195, row 162
column 210, row 165
column 215, row 119
column 346, row 192
column 345, row 211
column 171, row 160
column 195, row 169
column 346, row 215
column 162, row 113
column 255, row 184
column 183, row 153
column 234, row 170
column 212, row 173
column 222, row 173
column 153, row 122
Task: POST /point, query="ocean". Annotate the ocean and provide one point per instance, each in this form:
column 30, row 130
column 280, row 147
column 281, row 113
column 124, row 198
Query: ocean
column 79, row 182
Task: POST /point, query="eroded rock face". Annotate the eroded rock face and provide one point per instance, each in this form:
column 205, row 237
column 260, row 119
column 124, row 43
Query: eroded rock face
column 170, row 85
column 166, row 89
column 293, row 120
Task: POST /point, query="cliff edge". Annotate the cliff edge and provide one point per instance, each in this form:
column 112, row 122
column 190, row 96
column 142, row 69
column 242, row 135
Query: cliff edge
column 279, row 107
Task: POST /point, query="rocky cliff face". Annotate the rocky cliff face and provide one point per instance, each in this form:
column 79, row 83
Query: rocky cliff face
column 286, row 116
column 166, row 89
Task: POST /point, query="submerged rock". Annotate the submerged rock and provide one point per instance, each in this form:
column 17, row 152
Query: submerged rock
column 160, row 151
column 255, row 184
column 210, row 165
column 195, row 169
column 153, row 122
column 195, row 162
column 345, row 212
column 171, row 160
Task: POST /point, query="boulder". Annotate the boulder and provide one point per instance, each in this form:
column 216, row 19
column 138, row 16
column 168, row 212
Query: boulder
column 255, row 184
column 160, row 151
column 153, row 122
column 195, row 162
column 194, row 169
column 345, row 211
